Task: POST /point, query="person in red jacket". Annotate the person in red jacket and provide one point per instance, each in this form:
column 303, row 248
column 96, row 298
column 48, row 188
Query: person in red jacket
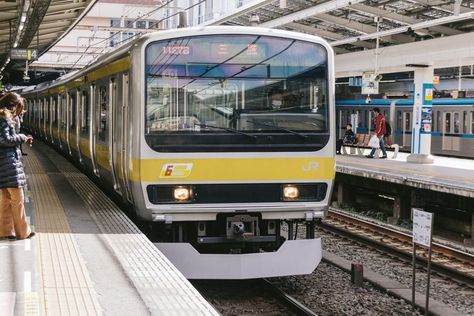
column 380, row 131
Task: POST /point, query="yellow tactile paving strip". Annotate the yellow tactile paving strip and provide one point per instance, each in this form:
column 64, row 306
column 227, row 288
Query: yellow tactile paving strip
column 163, row 289
column 66, row 288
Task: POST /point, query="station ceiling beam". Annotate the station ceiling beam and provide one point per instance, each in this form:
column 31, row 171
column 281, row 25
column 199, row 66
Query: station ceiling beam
column 442, row 52
column 400, row 18
column 426, row 24
column 326, row 34
column 310, row 12
column 443, row 5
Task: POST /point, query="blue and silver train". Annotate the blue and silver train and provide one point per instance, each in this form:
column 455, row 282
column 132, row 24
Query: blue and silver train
column 452, row 129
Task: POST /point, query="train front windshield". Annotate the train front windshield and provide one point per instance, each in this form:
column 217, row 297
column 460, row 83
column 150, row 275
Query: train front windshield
column 236, row 93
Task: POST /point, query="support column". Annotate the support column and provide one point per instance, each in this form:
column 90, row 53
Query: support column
column 422, row 116
column 401, row 207
column 470, row 242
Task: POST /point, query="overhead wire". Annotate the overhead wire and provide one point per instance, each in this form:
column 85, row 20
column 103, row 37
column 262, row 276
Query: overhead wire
column 149, row 27
column 108, row 38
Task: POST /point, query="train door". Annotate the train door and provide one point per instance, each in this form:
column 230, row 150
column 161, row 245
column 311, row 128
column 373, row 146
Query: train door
column 63, row 130
column 40, row 117
column 94, row 127
column 51, row 115
column 370, row 121
column 102, row 121
column 54, row 120
column 71, row 121
column 457, row 130
column 114, row 132
column 407, row 129
column 124, row 140
column 344, row 119
column 84, row 144
column 78, row 122
column 447, row 129
column 45, row 122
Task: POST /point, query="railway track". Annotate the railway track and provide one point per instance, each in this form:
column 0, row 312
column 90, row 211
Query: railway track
column 447, row 261
column 231, row 297
column 287, row 300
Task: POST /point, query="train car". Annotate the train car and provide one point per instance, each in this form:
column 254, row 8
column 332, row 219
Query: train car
column 222, row 137
column 452, row 129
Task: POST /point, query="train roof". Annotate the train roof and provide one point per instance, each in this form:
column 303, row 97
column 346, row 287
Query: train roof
column 192, row 31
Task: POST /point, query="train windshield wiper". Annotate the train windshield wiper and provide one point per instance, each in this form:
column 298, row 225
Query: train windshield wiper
column 278, row 127
column 227, row 129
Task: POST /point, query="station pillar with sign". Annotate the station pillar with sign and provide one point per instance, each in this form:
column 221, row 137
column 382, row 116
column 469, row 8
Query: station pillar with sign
column 422, row 116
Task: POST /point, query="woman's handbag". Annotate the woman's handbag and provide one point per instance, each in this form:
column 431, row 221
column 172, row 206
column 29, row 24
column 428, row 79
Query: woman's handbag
column 374, row 142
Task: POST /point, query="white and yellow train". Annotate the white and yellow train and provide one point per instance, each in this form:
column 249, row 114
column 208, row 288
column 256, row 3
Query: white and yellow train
column 216, row 135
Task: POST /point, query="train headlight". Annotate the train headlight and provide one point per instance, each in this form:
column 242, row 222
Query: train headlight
column 182, row 194
column 290, row 192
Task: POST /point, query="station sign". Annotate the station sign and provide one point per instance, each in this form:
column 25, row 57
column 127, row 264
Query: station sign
column 23, row 54
column 369, row 84
column 422, row 227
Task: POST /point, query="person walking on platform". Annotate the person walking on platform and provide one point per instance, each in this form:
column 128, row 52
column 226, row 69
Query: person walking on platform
column 380, row 131
column 12, row 177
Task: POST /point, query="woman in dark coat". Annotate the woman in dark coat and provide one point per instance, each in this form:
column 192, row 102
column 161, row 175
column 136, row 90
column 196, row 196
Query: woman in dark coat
column 12, row 177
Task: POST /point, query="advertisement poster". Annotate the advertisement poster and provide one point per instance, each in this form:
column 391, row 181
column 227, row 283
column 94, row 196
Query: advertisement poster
column 426, row 119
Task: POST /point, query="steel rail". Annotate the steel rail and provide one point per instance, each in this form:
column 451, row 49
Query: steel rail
column 287, row 300
column 461, row 257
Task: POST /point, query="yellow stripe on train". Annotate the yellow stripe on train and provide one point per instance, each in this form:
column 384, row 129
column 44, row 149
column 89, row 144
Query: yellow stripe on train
column 233, row 169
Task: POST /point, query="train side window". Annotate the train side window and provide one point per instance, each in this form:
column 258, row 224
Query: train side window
column 407, row 121
column 399, row 120
column 439, row 121
column 63, row 108
column 457, row 123
column 472, row 122
column 103, row 108
column 85, row 113
column 447, row 123
column 54, row 105
column 47, row 109
column 466, row 123
column 72, row 111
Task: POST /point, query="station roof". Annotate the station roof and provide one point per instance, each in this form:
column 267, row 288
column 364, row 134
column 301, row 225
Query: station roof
column 351, row 25
column 29, row 24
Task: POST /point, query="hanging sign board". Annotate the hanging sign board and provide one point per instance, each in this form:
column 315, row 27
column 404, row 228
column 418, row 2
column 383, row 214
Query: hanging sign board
column 23, row 54
column 435, row 79
column 422, row 226
column 369, row 84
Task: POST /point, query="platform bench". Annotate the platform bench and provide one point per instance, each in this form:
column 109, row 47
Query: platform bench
column 362, row 142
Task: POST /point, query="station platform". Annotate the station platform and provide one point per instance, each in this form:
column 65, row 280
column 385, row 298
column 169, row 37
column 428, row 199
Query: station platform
column 448, row 175
column 87, row 257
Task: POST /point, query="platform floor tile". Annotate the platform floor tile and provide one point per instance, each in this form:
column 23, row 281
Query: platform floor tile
column 163, row 289
column 66, row 287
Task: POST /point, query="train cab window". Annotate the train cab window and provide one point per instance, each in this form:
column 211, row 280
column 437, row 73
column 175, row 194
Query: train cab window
column 72, row 110
column 85, row 113
column 457, row 123
column 236, row 92
column 103, row 109
column 447, row 123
